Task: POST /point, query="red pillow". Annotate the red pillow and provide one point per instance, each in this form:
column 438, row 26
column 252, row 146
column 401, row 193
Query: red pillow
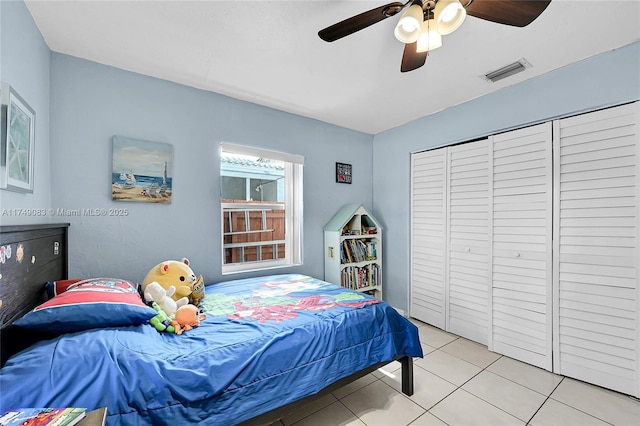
column 87, row 304
column 55, row 288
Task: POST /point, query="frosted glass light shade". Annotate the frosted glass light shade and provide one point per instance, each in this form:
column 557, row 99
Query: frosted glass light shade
column 429, row 38
column 408, row 28
column 449, row 15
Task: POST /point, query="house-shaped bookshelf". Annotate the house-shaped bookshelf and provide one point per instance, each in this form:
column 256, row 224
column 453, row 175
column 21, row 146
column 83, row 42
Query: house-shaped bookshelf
column 353, row 250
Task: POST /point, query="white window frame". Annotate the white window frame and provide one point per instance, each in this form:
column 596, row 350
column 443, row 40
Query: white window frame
column 293, row 203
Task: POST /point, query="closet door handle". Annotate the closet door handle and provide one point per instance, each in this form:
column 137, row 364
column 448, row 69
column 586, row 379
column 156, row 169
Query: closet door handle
column 468, row 249
column 517, row 254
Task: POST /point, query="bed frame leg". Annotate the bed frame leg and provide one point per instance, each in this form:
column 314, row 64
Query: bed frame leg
column 407, row 375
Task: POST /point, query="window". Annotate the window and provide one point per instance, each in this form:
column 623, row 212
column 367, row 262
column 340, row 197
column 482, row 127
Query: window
column 261, row 202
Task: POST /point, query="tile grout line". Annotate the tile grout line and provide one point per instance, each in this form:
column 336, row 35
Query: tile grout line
column 348, row 409
column 545, row 401
column 316, row 411
column 458, row 387
column 576, row 408
column 493, row 362
column 476, row 396
column 404, row 396
column 547, row 397
column 483, row 368
column 475, row 375
column 506, row 378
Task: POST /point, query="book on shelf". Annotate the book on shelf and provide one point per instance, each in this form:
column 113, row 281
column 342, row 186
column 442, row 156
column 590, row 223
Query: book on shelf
column 354, row 251
column 371, row 250
column 42, row 416
column 355, row 277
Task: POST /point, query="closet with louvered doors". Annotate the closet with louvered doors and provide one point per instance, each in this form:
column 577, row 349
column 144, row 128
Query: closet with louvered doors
column 563, row 229
column 428, row 236
column 520, row 294
column 468, row 244
column 481, row 242
column 596, row 223
column 449, row 242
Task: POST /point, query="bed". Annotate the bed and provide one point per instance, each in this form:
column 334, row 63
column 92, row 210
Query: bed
column 268, row 345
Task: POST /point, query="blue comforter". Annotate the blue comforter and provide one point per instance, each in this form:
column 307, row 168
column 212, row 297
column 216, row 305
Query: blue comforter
column 265, row 342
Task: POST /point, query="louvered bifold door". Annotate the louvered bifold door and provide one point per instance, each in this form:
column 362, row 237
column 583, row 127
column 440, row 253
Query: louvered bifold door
column 521, row 240
column 596, row 332
column 468, row 240
column 428, row 236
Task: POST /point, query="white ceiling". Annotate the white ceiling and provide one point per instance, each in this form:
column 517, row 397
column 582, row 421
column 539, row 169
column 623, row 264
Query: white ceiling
column 268, row 52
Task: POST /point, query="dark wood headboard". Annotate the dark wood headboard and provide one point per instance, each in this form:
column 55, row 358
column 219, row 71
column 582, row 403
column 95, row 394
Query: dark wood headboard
column 30, row 255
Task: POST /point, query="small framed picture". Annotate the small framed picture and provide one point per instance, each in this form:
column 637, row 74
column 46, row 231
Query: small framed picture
column 141, row 171
column 17, row 140
column 343, row 173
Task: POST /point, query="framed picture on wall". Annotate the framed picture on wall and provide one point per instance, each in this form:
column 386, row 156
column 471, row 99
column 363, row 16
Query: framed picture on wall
column 141, row 170
column 343, row 173
column 17, row 140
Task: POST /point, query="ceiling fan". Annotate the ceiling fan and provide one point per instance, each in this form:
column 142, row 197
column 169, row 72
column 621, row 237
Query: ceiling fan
column 424, row 22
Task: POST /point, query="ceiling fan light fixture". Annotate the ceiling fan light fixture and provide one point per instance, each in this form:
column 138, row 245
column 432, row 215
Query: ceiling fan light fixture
column 408, row 28
column 429, row 38
column 449, row 15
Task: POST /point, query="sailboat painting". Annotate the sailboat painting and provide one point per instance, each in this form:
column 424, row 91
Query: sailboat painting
column 141, row 170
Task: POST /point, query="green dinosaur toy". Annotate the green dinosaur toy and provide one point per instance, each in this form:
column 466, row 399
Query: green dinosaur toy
column 162, row 321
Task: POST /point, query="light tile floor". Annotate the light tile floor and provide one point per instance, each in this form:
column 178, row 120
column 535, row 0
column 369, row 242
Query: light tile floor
column 459, row 382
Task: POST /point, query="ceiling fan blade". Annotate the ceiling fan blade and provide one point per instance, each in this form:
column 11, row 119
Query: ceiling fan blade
column 518, row 13
column 411, row 58
column 359, row 22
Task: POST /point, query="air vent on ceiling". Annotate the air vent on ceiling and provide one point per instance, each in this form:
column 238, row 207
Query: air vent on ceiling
column 507, row 70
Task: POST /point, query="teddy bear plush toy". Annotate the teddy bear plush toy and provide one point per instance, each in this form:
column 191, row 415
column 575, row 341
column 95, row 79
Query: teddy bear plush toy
column 154, row 292
column 180, row 276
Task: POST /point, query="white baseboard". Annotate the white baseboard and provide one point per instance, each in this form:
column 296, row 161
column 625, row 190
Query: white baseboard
column 400, row 311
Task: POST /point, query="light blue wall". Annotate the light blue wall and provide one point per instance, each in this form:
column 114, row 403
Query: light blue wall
column 24, row 64
column 92, row 102
column 608, row 79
